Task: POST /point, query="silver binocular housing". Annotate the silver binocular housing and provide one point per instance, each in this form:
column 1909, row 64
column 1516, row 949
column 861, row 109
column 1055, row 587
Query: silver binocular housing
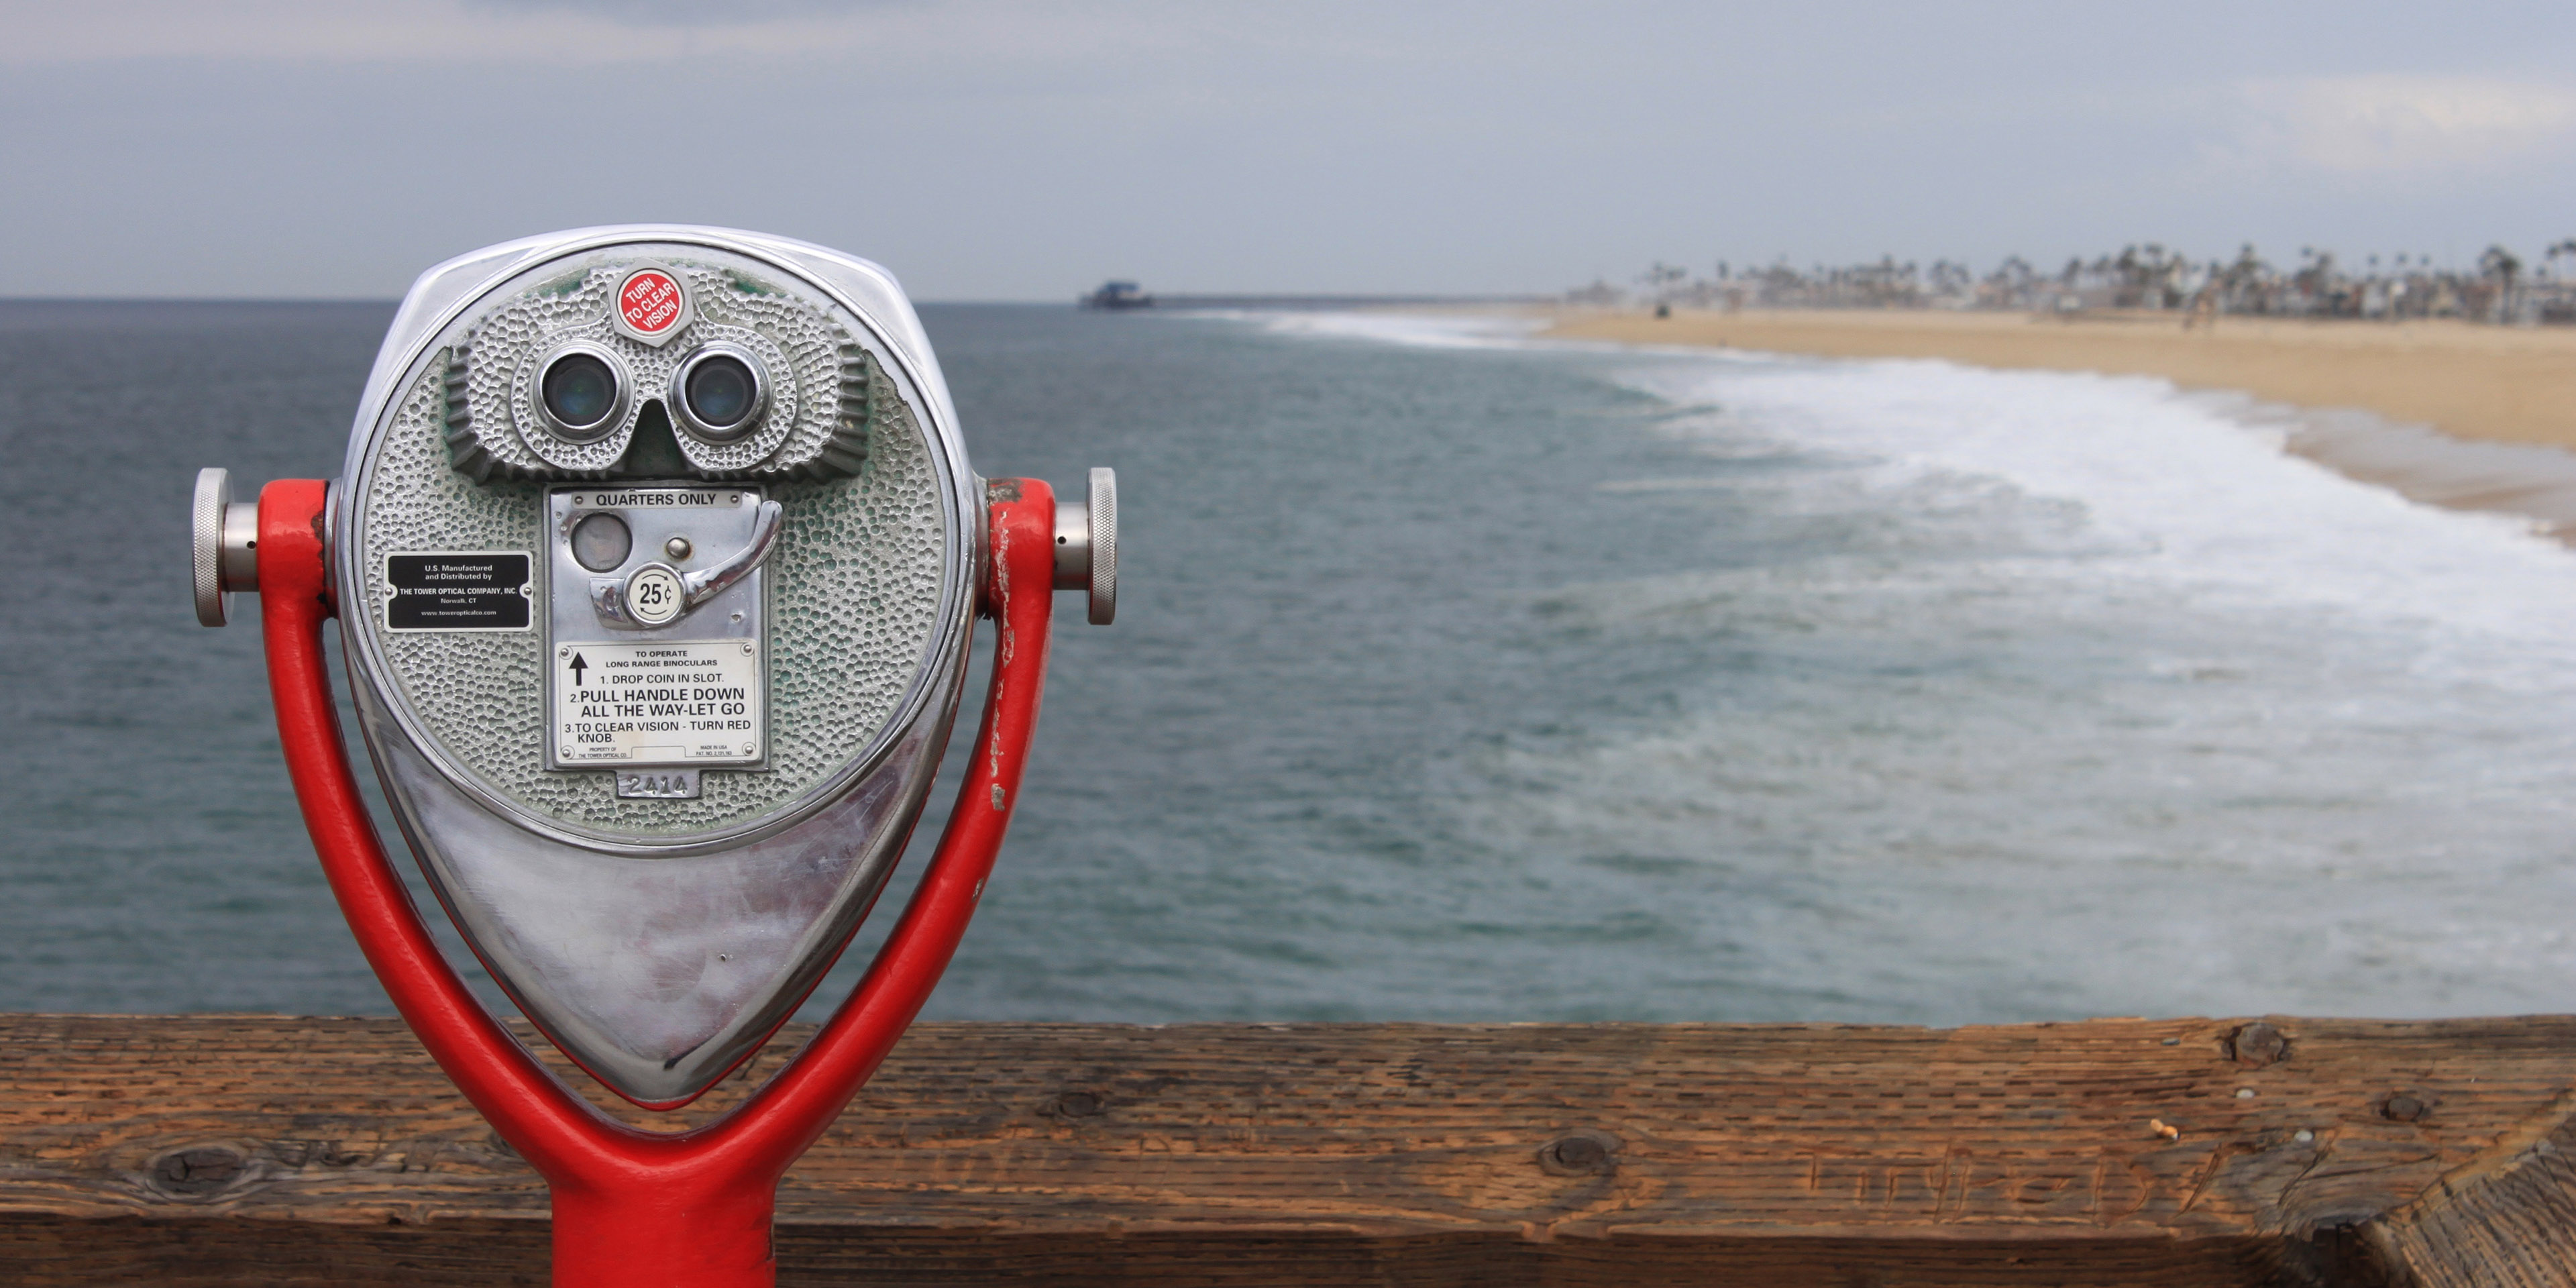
column 656, row 553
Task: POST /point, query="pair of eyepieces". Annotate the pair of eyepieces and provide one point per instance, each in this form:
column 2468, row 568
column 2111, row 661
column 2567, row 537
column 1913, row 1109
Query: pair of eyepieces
column 715, row 396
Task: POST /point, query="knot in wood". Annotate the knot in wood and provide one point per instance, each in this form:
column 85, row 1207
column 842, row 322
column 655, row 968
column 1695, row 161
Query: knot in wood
column 2258, row 1044
column 2405, row 1106
column 1582, row 1153
column 198, row 1170
column 1075, row 1104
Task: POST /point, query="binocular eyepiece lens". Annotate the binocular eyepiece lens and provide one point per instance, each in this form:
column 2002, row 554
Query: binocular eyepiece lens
column 717, row 393
column 721, row 391
column 579, row 389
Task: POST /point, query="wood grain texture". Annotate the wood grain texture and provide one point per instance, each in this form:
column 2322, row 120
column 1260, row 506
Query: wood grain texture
column 207, row 1150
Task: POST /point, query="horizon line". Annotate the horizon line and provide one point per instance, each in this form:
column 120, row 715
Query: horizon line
column 1193, row 298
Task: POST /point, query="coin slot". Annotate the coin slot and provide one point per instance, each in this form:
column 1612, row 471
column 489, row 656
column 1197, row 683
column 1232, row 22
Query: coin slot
column 601, row 542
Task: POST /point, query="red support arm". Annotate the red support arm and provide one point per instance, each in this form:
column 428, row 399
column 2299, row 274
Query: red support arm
column 635, row 1208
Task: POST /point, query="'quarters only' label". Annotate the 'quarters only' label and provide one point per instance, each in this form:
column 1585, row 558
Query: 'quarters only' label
column 474, row 590
column 673, row 702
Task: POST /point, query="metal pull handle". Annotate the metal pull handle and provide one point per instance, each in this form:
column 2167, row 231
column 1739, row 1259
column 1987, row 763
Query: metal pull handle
column 707, row 583
column 658, row 594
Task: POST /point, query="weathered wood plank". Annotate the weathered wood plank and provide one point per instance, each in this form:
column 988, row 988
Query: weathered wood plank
column 262, row 1149
column 2504, row 1219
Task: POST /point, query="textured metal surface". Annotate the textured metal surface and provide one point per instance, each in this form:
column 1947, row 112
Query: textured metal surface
column 448, row 293
column 658, row 974
column 814, row 420
column 855, row 589
column 922, row 485
column 658, row 933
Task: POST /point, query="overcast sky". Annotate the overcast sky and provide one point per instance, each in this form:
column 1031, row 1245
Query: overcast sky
column 987, row 149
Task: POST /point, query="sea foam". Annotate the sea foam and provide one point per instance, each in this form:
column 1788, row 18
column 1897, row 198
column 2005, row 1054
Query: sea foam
column 2047, row 694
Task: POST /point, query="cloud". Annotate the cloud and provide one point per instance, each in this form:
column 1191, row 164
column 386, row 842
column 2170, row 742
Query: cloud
column 874, row 36
column 2398, row 125
column 412, row 31
column 687, row 13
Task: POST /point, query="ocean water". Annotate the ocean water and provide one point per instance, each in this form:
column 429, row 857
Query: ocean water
column 1463, row 676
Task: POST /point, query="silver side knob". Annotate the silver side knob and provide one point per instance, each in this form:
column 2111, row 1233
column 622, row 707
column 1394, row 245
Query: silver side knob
column 224, row 541
column 1086, row 545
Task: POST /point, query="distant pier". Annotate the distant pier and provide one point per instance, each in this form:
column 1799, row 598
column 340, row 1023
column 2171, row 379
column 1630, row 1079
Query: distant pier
column 1128, row 295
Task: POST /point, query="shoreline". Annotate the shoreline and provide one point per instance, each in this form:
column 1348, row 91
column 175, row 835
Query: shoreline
column 2446, row 412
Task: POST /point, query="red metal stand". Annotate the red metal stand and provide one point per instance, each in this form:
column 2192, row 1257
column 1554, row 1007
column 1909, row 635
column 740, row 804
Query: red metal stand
column 635, row 1208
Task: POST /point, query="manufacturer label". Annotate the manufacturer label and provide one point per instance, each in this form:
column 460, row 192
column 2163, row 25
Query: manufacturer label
column 473, row 590
column 675, row 702
column 652, row 304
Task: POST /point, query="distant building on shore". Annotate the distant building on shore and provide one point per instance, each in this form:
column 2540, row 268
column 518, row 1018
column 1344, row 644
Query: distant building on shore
column 2500, row 288
column 1118, row 295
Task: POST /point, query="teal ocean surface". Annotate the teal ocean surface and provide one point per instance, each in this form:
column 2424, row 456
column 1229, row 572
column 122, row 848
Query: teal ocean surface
column 1462, row 676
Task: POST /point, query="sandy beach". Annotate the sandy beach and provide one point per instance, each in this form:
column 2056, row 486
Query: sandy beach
column 2500, row 384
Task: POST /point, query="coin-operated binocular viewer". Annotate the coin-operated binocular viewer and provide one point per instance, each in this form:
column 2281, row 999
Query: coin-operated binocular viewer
column 655, row 559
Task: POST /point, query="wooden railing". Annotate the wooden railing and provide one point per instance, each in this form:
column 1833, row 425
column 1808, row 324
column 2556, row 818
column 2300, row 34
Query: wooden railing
column 222, row 1150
